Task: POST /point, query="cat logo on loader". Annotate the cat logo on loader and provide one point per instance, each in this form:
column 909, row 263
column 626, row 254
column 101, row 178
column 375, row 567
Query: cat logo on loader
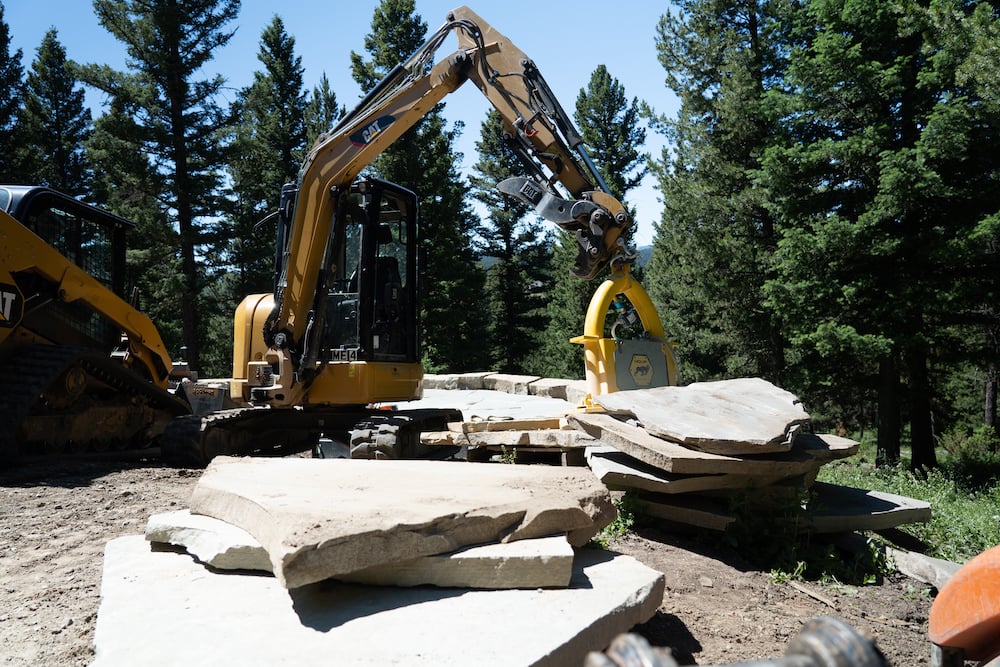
column 11, row 306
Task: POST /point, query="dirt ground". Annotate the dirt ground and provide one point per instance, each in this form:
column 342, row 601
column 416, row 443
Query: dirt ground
column 56, row 519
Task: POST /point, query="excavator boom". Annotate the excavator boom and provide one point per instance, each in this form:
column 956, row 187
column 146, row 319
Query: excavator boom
column 536, row 127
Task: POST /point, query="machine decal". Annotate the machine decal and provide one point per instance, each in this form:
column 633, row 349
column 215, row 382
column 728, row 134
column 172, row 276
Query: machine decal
column 641, row 370
column 11, row 305
column 367, row 134
column 346, row 354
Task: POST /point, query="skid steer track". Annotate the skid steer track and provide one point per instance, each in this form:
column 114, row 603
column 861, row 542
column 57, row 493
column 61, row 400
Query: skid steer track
column 58, row 400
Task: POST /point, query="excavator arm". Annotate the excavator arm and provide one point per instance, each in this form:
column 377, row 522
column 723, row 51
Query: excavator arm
column 339, row 335
column 564, row 186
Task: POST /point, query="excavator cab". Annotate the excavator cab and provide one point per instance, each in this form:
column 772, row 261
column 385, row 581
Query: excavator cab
column 371, row 312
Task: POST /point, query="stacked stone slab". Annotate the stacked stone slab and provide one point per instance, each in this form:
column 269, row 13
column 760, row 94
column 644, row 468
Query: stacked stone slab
column 572, row 391
column 325, row 518
column 492, row 541
column 686, row 451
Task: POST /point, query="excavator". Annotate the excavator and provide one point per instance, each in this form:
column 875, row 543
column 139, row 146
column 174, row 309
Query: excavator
column 82, row 369
column 337, row 338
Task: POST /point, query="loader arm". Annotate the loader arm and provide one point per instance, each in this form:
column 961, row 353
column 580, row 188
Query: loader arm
column 25, row 253
column 563, row 186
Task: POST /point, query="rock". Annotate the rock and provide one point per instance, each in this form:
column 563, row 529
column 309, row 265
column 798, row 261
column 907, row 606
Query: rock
column 835, row 509
column 510, row 384
column 455, row 381
column 729, row 417
column 538, row 563
column 204, row 618
column 544, row 562
column 211, row 541
column 676, row 458
column 934, row 571
column 321, row 518
column 619, row 471
column 550, row 387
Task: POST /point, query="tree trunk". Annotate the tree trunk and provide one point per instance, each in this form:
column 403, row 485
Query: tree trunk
column 923, row 455
column 990, row 412
column 887, row 448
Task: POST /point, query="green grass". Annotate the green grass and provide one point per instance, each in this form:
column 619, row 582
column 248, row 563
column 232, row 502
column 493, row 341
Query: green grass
column 624, row 520
column 964, row 493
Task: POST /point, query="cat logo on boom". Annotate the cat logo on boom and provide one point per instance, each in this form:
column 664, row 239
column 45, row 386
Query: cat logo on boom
column 11, row 306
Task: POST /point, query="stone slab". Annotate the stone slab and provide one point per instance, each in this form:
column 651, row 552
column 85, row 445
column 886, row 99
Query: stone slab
column 510, row 384
column 690, row 511
column 453, row 381
column 551, row 387
column 321, row 518
column 511, row 438
column 730, row 417
column 620, row 472
column 211, row 541
column 577, row 392
column 934, row 571
column 484, row 404
column 676, row 458
column 537, row 424
column 542, row 562
column 835, row 509
column 162, row 608
column 831, row 509
column 826, row 446
column 573, row 391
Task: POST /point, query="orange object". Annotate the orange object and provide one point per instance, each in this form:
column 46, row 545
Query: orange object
column 966, row 613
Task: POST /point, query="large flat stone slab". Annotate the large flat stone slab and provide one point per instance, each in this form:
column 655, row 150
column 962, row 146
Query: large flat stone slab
column 831, row 509
column 321, row 518
column 731, row 417
column 676, row 458
column 621, row 472
column 486, row 404
column 162, row 608
column 835, row 509
column 543, row 562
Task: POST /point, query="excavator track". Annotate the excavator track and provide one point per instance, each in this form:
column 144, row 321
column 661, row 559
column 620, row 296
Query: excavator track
column 59, row 400
column 193, row 441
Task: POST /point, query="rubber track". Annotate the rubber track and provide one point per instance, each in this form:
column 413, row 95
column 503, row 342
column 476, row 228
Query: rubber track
column 26, row 375
column 193, row 441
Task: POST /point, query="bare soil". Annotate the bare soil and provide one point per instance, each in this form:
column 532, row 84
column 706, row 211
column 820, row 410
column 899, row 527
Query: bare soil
column 56, row 518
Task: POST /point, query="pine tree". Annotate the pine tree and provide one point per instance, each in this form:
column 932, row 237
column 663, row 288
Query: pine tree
column 516, row 281
column 54, row 123
column 12, row 81
column 424, row 160
column 889, row 183
column 269, row 145
column 321, row 111
column 610, row 126
column 162, row 111
column 713, row 244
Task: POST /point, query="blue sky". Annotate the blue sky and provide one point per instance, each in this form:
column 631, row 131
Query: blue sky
column 567, row 40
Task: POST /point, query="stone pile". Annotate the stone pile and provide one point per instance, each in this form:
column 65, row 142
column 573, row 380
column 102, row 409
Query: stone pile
column 689, row 453
column 294, row 561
